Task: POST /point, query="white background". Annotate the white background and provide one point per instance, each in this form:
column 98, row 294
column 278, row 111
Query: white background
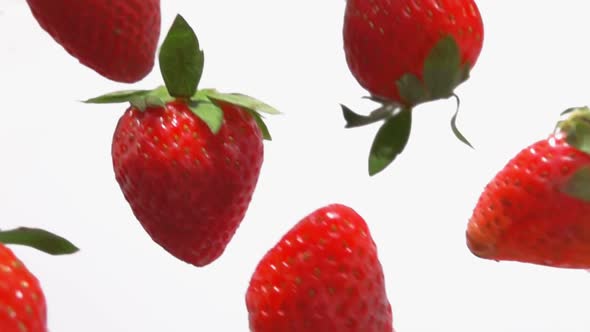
column 56, row 171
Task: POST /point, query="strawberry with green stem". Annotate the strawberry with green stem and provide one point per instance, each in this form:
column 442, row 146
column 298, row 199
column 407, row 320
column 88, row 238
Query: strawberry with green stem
column 188, row 160
column 537, row 208
column 23, row 305
column 405, row 53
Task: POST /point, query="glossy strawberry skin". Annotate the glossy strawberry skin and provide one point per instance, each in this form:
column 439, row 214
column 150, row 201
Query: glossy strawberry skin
column 385, row 39
column 117, row 39
column 188, row 187
column 22, row 302
column 323, row 275
column 524, row 215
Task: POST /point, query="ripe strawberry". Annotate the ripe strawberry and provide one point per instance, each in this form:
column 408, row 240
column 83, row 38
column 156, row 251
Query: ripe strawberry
column 22, row 302
column 117, row 39
column 188, row 160
column 387, row 39
column 405, row 53
column 190, row 188
column 537, row 208
column 323, row 275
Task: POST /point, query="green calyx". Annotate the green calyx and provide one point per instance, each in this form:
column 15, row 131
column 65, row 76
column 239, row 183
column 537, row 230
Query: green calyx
column 39, row 239
column 575, row 126
column 181, row 65
column 442, row 73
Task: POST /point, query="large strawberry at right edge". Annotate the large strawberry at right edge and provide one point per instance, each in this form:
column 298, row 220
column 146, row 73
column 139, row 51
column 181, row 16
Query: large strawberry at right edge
column 407, row 52
column 537, row 208
column 117, row 39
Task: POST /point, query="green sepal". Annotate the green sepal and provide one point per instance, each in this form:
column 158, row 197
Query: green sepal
column 454, row 128
column 250, row 104
column 412, row 90
column 260, row 122
column 356, row 120
column 181, row 59
column 576, row 127
column 39, row 239
column 117, row 97
column 578, row 185
column 242, row 100
column 442, row 69
column 441, row 74
column 390, row 141
column 140, row 99
column 209, row 112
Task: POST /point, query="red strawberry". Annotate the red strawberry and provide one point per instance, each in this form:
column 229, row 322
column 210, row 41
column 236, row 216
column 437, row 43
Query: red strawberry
column 188, row 160
column 190, row 188
column 386, row 39
column 537, row 208
column 323, row 275
column 22, row 302
column 405, row 53
column 117, row 39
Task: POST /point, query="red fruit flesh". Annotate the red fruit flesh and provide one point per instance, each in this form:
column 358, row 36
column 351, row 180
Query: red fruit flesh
column 188, row 187
column 385, row 39
column 117, row 39
column 523, row 214
column 22, row 303
column 323, row 275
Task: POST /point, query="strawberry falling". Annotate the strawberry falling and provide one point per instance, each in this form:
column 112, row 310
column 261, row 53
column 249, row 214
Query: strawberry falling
column 186, row 159
column 405, row 53
column 535, row 210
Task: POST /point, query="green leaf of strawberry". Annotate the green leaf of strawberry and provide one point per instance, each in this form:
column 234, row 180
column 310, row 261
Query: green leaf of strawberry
column 210, row 113
column 576, row 127
column 356, row 120
column 578, row 185
column 411, row 89
column 260, row 122
column 442, row 69
column 181, row 59
column 117, row 97
column 456, row 131
column 242, row 100
column 390, row 141
column 181, row 64
column 39, row 239
column 141, row 99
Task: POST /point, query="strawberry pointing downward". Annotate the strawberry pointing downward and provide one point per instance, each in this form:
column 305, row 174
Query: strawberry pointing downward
column 117, row 39
column 405, row 53
column 188, row 160
column 323, row 275
column 537, row 208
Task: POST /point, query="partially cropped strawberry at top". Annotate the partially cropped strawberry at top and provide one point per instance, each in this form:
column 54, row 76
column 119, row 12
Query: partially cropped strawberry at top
column 537, row 208
column 188, row 160
column 117, row 39
column 323, row 275
column 23, row 306
column 407, row 52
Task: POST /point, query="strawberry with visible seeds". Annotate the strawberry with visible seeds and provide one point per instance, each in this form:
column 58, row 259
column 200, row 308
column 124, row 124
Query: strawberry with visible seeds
column 537, row 208
column 117, row 39
column 23, row 305
column 188, row 160
column 323, row 275
column 22, row 302
column 405, row 53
